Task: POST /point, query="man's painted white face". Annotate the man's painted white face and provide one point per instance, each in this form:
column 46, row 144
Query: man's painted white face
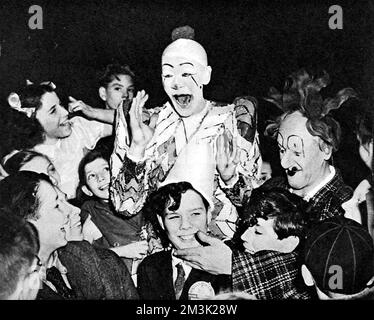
column 183, row 80
column 300, row 154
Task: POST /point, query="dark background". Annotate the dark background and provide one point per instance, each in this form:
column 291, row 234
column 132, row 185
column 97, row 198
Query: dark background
column 251, row 46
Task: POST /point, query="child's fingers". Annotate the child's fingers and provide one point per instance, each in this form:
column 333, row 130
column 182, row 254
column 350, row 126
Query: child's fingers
column 75, row 107
column 72, row 99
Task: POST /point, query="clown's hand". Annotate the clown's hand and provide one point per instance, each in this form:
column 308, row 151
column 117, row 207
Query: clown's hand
column 214, row 258
column 228, row 156
column 141, row 133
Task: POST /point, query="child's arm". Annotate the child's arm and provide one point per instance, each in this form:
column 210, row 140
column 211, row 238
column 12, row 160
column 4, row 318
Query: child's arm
column 135, row 250
column 102, row 115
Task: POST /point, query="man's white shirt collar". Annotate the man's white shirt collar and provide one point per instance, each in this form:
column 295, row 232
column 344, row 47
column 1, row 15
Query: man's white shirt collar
column 318, row 187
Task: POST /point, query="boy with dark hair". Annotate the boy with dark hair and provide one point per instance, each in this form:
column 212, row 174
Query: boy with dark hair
column 271, row 228
column 178, row 210
column 19, row 263
column 116, row 89
column 338, row 260
column 117, row 85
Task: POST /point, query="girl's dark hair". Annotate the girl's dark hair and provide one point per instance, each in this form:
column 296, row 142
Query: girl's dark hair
column 165, row 198
column 18, row 194
column 32, row 94
column 112, row 71
column 91, row 156
column 19, row 159
column 18, row 132
column 292, row 215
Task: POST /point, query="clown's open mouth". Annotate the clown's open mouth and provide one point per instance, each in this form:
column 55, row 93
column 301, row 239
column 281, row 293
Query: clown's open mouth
column 183, row 99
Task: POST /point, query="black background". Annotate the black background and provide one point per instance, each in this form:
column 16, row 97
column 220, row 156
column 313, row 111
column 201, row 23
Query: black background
column 251, row 46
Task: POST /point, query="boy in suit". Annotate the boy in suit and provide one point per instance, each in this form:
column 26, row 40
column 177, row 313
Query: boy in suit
column 178, row 210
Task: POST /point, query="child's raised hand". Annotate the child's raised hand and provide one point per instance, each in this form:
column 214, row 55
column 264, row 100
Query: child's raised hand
column 79, row 105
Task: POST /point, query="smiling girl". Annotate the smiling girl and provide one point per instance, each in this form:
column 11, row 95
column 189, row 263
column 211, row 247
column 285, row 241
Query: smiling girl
column 64, row 140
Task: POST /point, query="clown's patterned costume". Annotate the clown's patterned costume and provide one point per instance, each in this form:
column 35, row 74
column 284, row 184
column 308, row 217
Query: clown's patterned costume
column 134, row 179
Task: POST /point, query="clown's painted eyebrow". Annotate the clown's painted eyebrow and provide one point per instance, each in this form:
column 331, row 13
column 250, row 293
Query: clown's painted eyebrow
column 183, row 63
column 168, row 64
column 302, row 144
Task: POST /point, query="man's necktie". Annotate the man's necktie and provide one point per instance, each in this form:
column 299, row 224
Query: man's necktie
column 179, row 282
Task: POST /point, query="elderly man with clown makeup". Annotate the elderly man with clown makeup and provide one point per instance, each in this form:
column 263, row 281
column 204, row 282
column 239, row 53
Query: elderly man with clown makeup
column 187, row 117
column 307, row 136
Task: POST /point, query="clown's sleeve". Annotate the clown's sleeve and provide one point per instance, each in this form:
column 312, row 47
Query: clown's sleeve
column 121, row 142
column 128, row 189
column 247, row 174
column 127, row 175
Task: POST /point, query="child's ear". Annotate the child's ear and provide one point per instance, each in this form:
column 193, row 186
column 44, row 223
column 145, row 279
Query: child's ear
column 102, row 93
column 160, row 222
column 307, row 276
column 289, row 244
column 86, row 191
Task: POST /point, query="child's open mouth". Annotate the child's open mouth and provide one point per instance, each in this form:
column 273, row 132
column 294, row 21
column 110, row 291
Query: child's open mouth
column 66, row 123
column 183, row 99
column 104, row 187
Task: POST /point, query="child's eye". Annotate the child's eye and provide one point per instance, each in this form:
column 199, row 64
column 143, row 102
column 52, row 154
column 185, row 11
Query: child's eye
column 281, row 151
column 297, row 154
column 167, row 75
column 197, row 213
column 91, row 176
column 186, row 74
column 106, row 169
column 257, row 232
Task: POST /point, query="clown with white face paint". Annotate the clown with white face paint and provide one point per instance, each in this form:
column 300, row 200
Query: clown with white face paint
column 307, row 136
column 183, row 77
column 186, row 118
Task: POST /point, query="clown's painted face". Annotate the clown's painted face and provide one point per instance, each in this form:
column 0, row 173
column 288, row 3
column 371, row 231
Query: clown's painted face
column 183, row 77
column 300, row 154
